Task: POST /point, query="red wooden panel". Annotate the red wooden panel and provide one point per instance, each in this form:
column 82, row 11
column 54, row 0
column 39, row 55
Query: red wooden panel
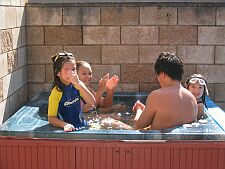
column 47, row 154
column 208, row 159
column 221, row 158
column 78, row 158
column 141, row 158
column 214, row 158
column 195, row 158
column 22, row 154
column 116, row 158
column 27, row 158
column 154, row 160
column 167, row 158
column 176, row 158
column 9, row 155
column 65, row 157
column 183, row 158
column 97, row 158
column 34, row 157
column 128, row 160
column 47, row 157
column 84, row 155
column 122, row 158
column 59, row 159
column 160, row 157
column 90, row 157
column 189, row 158
column 15, row 156
column 3, row 159
column 148, row 157
column 52, row 157
column 202, row 154
column 109, row 158
column 103, row 158
column 135, row 156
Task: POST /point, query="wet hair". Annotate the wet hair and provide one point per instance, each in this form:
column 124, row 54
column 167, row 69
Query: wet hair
column 205, row 92
column 170, row 64
column 81, row 63
column 58, row 61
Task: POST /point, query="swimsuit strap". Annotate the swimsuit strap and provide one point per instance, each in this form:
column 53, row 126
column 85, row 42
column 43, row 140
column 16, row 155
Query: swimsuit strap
column 199, row 102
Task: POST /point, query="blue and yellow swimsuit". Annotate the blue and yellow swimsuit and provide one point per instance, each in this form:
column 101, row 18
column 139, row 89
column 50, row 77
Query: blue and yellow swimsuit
column 66, row 105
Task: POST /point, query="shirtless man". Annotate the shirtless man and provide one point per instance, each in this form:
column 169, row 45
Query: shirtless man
column 170, row 105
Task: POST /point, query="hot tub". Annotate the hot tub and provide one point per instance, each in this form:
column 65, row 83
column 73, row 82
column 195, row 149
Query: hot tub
column 28, row 140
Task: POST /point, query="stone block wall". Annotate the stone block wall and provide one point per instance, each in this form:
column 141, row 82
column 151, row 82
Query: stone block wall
column 125, row 39
column 13, row 69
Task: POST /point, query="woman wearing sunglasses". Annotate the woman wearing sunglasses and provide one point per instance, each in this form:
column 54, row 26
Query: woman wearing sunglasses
column 197, row 85
column 64, row 109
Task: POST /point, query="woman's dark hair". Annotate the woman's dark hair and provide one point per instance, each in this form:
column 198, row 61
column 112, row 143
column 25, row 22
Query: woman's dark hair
column 205, row 92
column 58, row 61
column 170, row 64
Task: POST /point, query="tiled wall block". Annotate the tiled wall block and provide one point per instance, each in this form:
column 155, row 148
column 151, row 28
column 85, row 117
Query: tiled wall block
column 213, row 73
column 36, row 73
column 196, row 15
column 211, row 35
column 219, row 92
column 81, row 16
column 119, row 54
column 10, row 17
column 1, row 91
column 119, row 16
column 158, row 15
column 196, row 54
column 137, row 73
column 63, row 35
column 139, row 35
column 220, row 55
column 100, row 70
column 43, row 16
column 35, row 35
column 6, row 41
column 220, row 19
column 92, row 53
column 179, row 35
column 101, row 35
column 149, row 53
column 41, row 54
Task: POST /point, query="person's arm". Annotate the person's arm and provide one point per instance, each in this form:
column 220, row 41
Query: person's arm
column 145, row 116
column 201, row 110
column 111, row 85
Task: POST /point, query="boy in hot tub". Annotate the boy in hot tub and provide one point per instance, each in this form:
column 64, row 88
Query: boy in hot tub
column 172, row 104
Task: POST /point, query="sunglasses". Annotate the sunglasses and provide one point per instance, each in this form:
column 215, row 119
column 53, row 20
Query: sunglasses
column 196, row 79
column 62, row 54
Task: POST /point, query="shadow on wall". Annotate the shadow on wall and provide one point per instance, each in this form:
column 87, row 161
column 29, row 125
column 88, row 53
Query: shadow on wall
column 13, row 73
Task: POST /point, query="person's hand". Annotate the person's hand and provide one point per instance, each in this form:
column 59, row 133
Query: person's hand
column 138, row 105
column 73, row 77
column 112, row 83
column 69, row 127
column 102, row 83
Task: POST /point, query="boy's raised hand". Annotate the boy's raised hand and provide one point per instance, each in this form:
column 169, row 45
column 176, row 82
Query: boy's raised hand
column 113, row 82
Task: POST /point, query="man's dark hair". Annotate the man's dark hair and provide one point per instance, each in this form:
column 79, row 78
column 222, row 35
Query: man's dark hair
column 170, row 64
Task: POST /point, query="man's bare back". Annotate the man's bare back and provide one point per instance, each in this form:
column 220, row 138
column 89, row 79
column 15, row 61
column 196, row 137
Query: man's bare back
column 172, row 104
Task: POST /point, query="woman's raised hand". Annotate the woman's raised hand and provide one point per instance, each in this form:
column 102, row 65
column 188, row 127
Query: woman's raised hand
column 112, row 82
column 103, row 83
